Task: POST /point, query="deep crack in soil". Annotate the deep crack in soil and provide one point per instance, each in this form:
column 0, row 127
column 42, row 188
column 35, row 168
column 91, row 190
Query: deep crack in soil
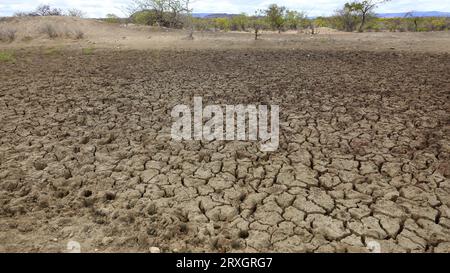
column 364, row 154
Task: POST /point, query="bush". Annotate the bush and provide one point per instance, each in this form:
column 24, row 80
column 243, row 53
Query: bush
column 112, row 18
column 50, row 31
column 222, row 23
column 144, row 17
column 78, row 34
column 21, row 14
column 75, row 13
column 8, row 35
column 239, row 22
column 46, row 10
column 438, row 24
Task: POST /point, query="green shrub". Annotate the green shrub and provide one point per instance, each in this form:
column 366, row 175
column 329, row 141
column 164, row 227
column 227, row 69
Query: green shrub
column 239, row 22
column 6, row 56
column 222, row 23
column 112, row 18
column 145, row 17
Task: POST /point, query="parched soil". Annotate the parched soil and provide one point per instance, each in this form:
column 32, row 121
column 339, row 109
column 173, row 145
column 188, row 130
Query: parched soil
column 86, row 153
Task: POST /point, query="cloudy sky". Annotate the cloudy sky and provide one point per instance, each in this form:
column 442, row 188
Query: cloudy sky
column 99, row 8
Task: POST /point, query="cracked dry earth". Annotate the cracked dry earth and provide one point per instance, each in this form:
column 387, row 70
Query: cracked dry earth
column 364, row 153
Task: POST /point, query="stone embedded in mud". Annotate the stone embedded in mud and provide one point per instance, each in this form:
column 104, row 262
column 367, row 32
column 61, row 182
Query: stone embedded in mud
column 84, row 140
column 154, row 250
column 39, row 165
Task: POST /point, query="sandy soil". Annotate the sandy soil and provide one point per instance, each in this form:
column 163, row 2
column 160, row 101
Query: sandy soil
column 364, row 156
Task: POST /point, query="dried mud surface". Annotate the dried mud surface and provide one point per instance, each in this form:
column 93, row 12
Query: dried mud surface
column 364, row 153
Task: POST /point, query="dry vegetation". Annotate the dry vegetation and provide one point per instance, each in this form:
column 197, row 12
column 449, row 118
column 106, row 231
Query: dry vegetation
column 7, row 35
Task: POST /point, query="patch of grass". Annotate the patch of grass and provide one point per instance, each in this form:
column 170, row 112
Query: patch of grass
column 6, row 56
column 53, row 50
column 87, row 51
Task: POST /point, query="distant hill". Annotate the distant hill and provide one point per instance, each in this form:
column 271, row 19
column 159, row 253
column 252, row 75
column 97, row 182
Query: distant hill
column 200, row 15
column 415, row 14
column 213, row 15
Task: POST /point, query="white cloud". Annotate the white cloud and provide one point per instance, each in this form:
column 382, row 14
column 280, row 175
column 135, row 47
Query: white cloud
column 99, row 8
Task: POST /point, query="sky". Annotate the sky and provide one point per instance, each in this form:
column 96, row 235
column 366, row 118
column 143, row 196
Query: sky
column 99, row 8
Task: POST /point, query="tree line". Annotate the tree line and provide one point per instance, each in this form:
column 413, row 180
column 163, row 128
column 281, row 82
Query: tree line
column 353, row 16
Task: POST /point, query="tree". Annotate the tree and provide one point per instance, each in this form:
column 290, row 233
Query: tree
column 46, row 10
column 189, row 24
column 222, row 23
column 410, row 16
column 169, row 13
column 240, row 22
column 144, row 17
column 347, row 18
column 258, row 22
column 364, row 8
column 276, row 16
column 295, row 20
column 112, row 18
column 75, row 13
